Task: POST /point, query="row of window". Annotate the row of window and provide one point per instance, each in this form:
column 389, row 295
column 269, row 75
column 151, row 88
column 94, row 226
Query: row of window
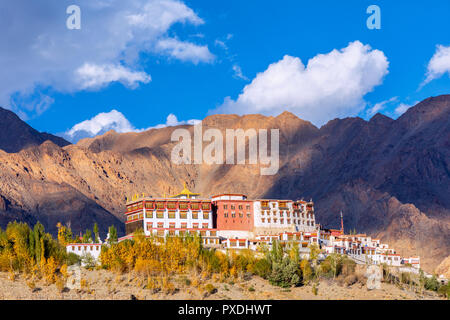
column 162, row 233
column 85, row 248
column 233, row 207
column 288, row 214
column 288, row 221
column 233, row 214
column 183, row 225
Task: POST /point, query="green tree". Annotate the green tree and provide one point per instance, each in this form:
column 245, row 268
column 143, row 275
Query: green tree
column 38, row 233
column 87, row 237
column 112, row 235
column 96, row 233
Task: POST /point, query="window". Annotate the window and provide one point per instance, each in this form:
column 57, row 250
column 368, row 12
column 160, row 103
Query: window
column 248, row 207
column 183, row 206
column 194, row 206
column 205, row 226
column 233, row 214
column 225, row 206
column 205, row 215
column 194, row 215
column 225, row 214
column 233, row 207
column 171, row 214
column 149, row 215
column 281, row 221
column 263, row 220
column 195, row 225
column 240, row 215
column 240, row 207
column 149, row 205
column 184, row 225
column 172, row 225
column 205, row 206
column 248, row 214
column 171, row 205
column 160, row 225
column 160, row 215
column 183, row 215
column 288, row 221
column 160, row 205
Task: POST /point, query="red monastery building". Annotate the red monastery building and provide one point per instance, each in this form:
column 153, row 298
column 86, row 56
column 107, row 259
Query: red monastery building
column 222, row 216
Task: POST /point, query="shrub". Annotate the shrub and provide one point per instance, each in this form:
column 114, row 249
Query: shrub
column 262, row 268
column 445, row 291
column 350, row 280
column 285, row 274
column 307, row 271
column 210, row 289
column 432, row 283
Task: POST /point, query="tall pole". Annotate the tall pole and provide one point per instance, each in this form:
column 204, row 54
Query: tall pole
column 342, row 223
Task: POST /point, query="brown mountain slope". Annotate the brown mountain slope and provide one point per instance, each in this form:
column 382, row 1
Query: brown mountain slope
column 16, row 134
column 390, row 178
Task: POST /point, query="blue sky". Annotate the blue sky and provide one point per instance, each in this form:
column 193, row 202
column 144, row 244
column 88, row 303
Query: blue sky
column 215, row 40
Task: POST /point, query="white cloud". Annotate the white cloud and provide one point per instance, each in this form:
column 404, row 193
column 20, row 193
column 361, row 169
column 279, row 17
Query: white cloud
column 401, row 109
column 185, row 51
column 331, row 85
column 238, row 72
column 97, row 76
column 380, row 106
column 100, row 124
column 172, row 121
column 114, row 120
column 41, row 53
column 439, row 64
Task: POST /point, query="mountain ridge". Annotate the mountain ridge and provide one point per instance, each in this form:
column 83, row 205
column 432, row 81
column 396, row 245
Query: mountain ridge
column 390, row 177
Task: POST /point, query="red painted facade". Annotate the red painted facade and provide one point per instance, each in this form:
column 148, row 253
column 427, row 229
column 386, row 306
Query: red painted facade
column 234, row 215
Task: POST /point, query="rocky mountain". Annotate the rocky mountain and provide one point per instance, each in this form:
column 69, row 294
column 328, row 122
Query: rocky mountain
column 15, row 134
column 391, row 178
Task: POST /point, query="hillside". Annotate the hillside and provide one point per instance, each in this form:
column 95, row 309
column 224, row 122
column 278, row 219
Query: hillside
column 16, row 135
column 391, row 178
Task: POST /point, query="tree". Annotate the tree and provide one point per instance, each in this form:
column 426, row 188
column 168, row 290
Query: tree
column 96, row 233
column 38, row 233
column 87, row 237
column 64, row 234
column 112, row 235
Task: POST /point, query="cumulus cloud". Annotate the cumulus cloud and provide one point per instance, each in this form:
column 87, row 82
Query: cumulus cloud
column 97, row 76
column 185, row 51
column 41, row 53
column 114, row 120
column 439, row 64
column 330, row 85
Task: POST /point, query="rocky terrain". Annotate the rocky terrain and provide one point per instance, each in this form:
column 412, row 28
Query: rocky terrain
column 104, row 285
column 391, row 178
column 16, row 134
